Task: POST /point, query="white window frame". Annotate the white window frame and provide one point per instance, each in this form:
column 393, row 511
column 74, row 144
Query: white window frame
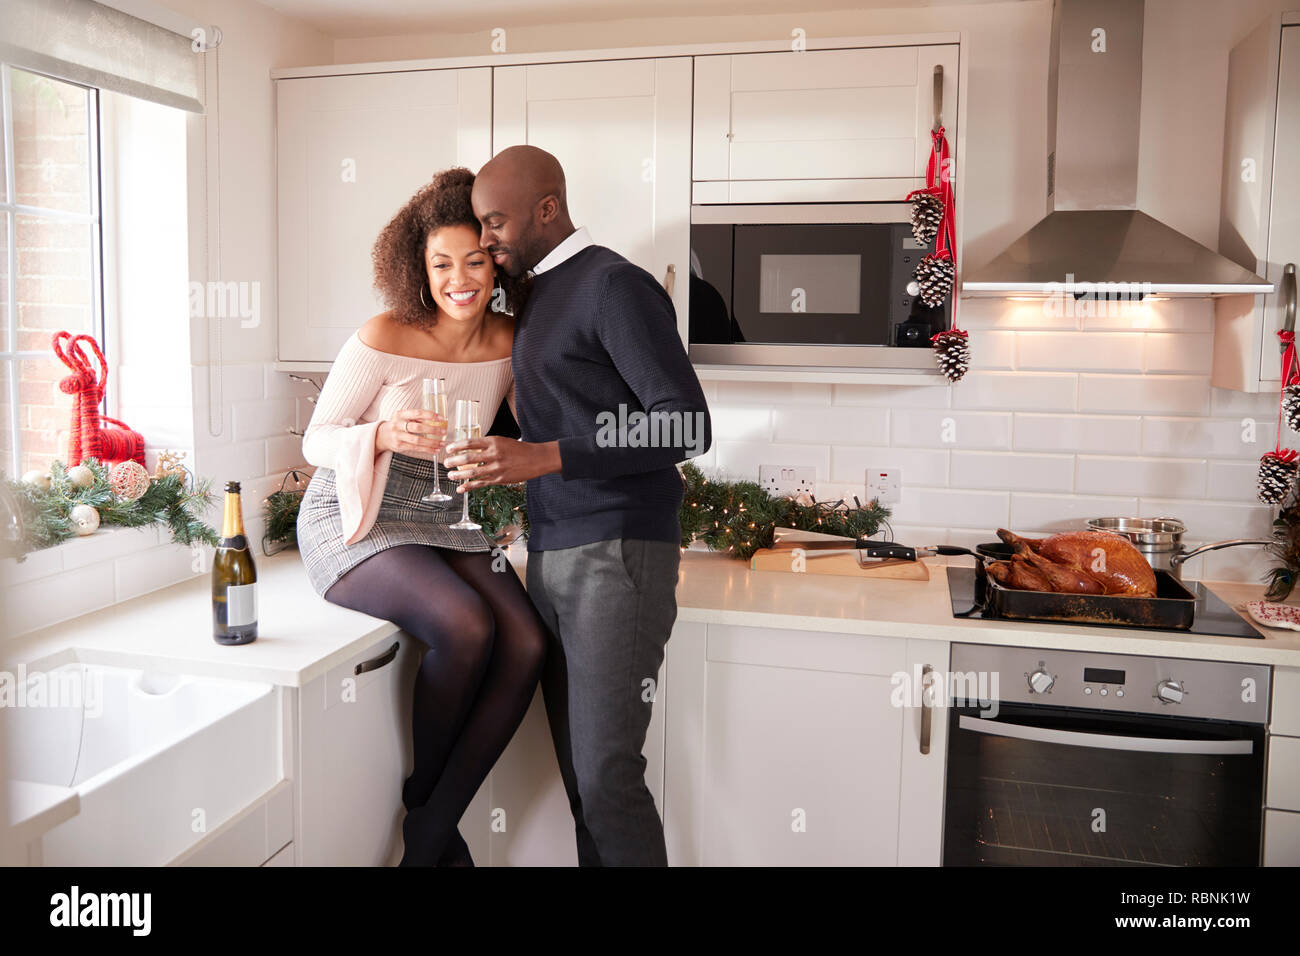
column 10, row 356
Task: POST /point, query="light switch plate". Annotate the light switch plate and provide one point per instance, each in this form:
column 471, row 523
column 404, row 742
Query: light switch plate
column 885, row 485
column 787, row 479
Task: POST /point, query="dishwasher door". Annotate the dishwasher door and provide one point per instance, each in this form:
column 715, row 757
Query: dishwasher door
column 1058, row 786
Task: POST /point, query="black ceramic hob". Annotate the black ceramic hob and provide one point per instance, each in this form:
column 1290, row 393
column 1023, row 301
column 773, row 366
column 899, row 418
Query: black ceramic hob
column 1213, row 616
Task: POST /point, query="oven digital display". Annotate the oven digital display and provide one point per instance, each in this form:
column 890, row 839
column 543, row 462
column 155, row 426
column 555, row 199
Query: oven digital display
column 1101, row 675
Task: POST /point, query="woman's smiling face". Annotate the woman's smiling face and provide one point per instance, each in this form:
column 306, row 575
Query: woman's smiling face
column 461, row 274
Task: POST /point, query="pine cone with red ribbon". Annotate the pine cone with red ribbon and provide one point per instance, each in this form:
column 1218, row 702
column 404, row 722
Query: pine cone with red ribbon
column 952, row 352
column 1277, row 473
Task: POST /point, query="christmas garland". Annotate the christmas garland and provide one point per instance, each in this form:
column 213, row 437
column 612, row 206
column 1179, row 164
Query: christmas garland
column 64, row 502
column 737, row 517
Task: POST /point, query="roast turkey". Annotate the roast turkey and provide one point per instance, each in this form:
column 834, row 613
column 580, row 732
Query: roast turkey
column 1075, row 562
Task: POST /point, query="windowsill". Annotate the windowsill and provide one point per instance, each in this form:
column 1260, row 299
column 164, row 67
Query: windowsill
column 78, row 552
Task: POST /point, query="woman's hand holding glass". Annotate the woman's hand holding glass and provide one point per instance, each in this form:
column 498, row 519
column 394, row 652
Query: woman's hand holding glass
column 412, row 431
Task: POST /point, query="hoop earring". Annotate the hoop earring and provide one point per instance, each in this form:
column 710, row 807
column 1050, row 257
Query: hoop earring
column 422, row 302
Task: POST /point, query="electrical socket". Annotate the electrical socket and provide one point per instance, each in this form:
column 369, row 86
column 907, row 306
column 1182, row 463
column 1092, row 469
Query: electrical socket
column 885, row 485
column 787, row 480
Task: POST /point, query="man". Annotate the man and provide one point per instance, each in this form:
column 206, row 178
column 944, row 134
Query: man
column 608, row 403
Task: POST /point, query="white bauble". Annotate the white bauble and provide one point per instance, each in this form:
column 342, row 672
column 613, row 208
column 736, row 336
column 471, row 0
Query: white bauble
column 37, row 478
column 86, row 518
column 81, row 476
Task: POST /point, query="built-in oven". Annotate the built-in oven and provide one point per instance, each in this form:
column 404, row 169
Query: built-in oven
column 1067, row 758
column 809, row 285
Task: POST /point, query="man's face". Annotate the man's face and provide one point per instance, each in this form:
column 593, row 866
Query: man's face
column 509, row 226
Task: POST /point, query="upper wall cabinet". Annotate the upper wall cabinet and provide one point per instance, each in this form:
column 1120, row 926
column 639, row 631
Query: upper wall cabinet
column 821, row 125
column 1259, row 224
column 622, row 131
column 351, row 151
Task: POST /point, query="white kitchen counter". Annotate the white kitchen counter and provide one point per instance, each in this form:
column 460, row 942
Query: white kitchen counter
column 301, row 636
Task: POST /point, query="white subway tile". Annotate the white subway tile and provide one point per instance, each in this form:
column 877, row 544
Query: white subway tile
column 1044, row 391
column 1012, row 472
column 58, row 597
column 1091, row 352
column 739, row 460
column 263, row 418
column 950, row 429
column 1139, row 476
column 1144, row 394
column 894, row 396
column 773, row 393
column 36, row 564
column 1014, row 314
column 1231, row 481
column 992, row 350
column 733, row 423
column 1206, row 437
column 1169, row 315
column 240, row 462
column 282, row 453
column 1077, row 433
column 156, row 568
column 1245, row 563
column 1187, row 352
column 919, row 466
column 1052, row 513
column 951, row 508
column 107, row 544
column 278, row 384
column 832, row 424
column 1212, row 521
column 1228, row 403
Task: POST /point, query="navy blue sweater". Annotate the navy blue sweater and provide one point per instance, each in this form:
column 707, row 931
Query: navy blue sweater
column 600, row 368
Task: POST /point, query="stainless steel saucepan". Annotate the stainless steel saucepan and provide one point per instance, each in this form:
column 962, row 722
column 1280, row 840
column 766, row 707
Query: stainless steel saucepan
column 1160, row 540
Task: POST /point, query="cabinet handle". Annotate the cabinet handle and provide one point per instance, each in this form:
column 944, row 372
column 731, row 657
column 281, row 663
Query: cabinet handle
column 377, row 662
column 938, row 99
column 1288, row 299
column 927, row 709
column 670, row 279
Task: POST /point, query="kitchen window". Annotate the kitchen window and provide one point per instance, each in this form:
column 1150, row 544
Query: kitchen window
column 51, row 274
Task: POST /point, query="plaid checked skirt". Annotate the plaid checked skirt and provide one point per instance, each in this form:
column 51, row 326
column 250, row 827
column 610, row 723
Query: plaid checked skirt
column 402, row 519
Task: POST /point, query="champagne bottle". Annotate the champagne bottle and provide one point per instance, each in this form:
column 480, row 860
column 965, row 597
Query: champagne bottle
column 234, row 579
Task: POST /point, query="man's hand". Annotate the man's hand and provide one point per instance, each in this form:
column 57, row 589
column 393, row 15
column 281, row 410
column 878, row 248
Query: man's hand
column 480, row 462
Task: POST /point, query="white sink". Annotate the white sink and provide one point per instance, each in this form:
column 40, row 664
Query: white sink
column 157, row 760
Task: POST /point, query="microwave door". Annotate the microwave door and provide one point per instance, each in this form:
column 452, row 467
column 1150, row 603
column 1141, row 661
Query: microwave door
column 822, row 284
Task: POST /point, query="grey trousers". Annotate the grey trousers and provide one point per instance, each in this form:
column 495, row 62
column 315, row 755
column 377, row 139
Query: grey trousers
column 610, row 607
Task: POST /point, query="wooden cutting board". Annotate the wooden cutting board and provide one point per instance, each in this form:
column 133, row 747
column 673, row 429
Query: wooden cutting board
column 782, row 559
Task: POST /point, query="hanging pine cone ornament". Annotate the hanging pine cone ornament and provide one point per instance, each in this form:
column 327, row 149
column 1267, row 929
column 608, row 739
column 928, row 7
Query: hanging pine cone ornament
column 1277, row 472
column 1291, row 406
column 952, row 351
column 927, row 214
column 934, row 275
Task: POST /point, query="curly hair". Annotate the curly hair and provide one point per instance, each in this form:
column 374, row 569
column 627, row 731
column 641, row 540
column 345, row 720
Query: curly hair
column 398, row 255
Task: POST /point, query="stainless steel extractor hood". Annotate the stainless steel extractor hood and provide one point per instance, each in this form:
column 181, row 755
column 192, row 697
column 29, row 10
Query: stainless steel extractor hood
column 1094, row 240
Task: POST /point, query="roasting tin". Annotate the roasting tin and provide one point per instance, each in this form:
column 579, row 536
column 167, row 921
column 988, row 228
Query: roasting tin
column 1173, row 607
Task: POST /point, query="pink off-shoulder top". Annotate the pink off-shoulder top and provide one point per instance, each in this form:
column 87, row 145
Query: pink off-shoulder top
column 366, row 387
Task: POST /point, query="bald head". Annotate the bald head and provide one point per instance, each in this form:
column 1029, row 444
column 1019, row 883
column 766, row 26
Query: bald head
column 519, row 200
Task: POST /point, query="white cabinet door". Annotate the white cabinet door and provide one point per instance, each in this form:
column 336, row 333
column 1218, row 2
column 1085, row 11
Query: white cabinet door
column 354, row 733
column 821, row 125
column 925, row 756
column 1284, row 217
column 350, row 151
column 622, row 131
column 784, row 748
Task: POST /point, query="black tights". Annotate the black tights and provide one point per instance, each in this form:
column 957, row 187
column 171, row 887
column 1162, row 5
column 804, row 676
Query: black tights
column 486, row 645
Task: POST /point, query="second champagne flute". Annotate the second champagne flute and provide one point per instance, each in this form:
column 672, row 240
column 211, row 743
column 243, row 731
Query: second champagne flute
column 433, row 398
column 467, row 427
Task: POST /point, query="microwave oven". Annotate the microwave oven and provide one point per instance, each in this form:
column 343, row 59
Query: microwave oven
column 820, row 285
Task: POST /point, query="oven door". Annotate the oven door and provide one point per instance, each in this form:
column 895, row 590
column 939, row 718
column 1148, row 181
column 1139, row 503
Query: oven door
column 1049, row 786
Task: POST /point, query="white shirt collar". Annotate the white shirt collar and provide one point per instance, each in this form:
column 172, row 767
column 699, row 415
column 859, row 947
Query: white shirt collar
column 570, row 246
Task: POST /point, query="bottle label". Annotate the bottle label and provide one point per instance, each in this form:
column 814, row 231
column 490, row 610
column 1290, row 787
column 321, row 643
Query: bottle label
column 241, row 605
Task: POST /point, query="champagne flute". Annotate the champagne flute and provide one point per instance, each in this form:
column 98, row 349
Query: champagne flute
column 433, row 398
column 467, row 427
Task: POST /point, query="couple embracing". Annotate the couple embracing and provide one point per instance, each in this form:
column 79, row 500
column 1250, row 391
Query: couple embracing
column 489, row 286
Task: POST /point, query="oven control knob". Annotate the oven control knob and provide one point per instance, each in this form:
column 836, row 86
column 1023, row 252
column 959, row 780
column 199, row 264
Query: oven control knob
column 1040, row 682
column 1169, row 692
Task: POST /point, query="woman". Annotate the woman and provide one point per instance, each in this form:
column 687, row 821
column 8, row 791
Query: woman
column 369, row 542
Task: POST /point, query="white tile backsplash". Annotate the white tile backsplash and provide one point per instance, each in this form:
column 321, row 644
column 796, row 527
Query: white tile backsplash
column 1062, row 417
